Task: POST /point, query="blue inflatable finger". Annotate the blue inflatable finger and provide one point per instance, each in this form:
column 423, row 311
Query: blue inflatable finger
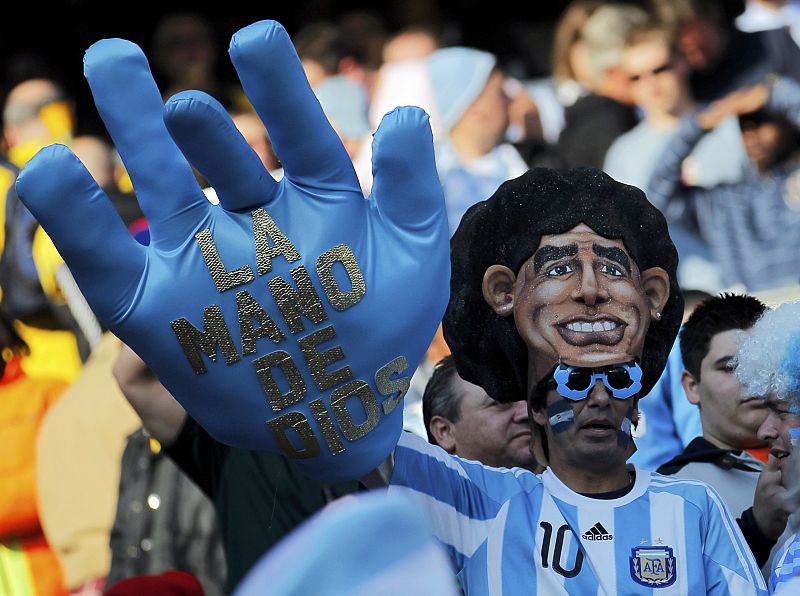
column 311, row 153
column 200, row 126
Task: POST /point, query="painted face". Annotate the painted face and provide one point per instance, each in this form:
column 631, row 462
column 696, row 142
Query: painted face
column 593, row 438
column 776, row 427
column 580, row 299
column 488, row 431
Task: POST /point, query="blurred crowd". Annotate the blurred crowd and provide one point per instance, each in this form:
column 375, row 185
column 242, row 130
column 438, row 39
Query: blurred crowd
column 696, row 102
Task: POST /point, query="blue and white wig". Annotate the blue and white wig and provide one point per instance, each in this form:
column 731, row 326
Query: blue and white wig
column 768, row 362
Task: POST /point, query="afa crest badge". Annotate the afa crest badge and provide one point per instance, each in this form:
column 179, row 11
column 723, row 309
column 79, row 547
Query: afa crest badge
column 653, row 566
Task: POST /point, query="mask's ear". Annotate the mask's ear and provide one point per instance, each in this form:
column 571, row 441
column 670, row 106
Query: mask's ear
column 655, row 282
column 498, row 289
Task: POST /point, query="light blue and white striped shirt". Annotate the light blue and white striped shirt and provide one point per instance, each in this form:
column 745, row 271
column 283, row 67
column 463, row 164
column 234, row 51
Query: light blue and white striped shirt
column 784, row 578
column 513, row 532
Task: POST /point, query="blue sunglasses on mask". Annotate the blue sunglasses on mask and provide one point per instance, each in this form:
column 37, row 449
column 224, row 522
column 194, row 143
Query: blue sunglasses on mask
column 622, row 380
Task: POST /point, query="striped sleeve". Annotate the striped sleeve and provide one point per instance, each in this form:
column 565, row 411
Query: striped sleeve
column 785, row 575
column 729, row 565
column 462, row 498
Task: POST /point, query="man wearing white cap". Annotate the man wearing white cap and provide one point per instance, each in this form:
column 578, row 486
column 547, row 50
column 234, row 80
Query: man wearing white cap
column 472, row 108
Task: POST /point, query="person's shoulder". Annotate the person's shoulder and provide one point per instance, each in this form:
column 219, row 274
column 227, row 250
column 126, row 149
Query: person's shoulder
column 411, row 447
column 625, row 153
column 695, row 492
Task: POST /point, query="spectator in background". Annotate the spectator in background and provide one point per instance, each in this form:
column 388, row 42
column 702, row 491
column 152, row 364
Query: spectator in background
column 80, row 446
column 570, row 59
column 36, row 113
column 412, row 43
column 163, row 521
column 723, row 59
column 765, row 15
column 404, row 83
column 185, row 54
column 28, row 566
column 464, row 421
column 325, row 51
column 255, row 133
column 751, row 226
column 659, row 80
column 729, row 456
column 598, row 117
column 366, row 33
column 659, row 83
column 769, row 367
column 472, row 109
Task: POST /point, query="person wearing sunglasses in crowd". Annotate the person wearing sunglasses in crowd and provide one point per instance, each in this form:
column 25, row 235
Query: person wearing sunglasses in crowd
column 563, row 292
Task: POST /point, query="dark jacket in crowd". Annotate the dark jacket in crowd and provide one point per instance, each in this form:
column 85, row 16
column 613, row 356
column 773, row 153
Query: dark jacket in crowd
column 734, row 475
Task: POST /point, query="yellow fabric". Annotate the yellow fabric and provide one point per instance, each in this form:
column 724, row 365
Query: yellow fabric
column 23, row 405
column 125, row 184
column 48, row 261
column 80, row 448
column 21, row 153
column 57, row 117
column 54, row 354
column 15, row 574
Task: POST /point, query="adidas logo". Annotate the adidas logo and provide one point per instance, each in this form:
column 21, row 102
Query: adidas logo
column 597, row 532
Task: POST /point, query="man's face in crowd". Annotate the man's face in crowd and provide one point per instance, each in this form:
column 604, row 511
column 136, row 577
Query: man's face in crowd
column 765, row 141
column 487, row 431
column 491, row 106
column 658, row 79
column 592, row 440
column 730, row 420
column 775, row 429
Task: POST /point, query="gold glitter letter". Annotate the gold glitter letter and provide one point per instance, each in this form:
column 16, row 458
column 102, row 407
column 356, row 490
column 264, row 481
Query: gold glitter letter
column 326, row 425
column 394, row 389
column 339, row 300
column 249, row 309
column 224, row 279
column 361, row 390
column 264, row 230
column 215, row 333
column 297, row 387
column 294, row 303
column 317, row 361
column 297, row 422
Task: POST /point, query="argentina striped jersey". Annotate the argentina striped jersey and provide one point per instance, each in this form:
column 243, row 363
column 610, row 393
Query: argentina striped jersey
column 513, row 532
column 784, row 579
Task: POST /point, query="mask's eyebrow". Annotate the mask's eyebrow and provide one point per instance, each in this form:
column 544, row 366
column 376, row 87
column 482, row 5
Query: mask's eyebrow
column 613, row 253
column 552, row 253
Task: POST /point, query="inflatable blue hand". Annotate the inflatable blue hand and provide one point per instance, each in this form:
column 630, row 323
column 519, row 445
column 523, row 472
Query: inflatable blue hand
column 291, row 316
